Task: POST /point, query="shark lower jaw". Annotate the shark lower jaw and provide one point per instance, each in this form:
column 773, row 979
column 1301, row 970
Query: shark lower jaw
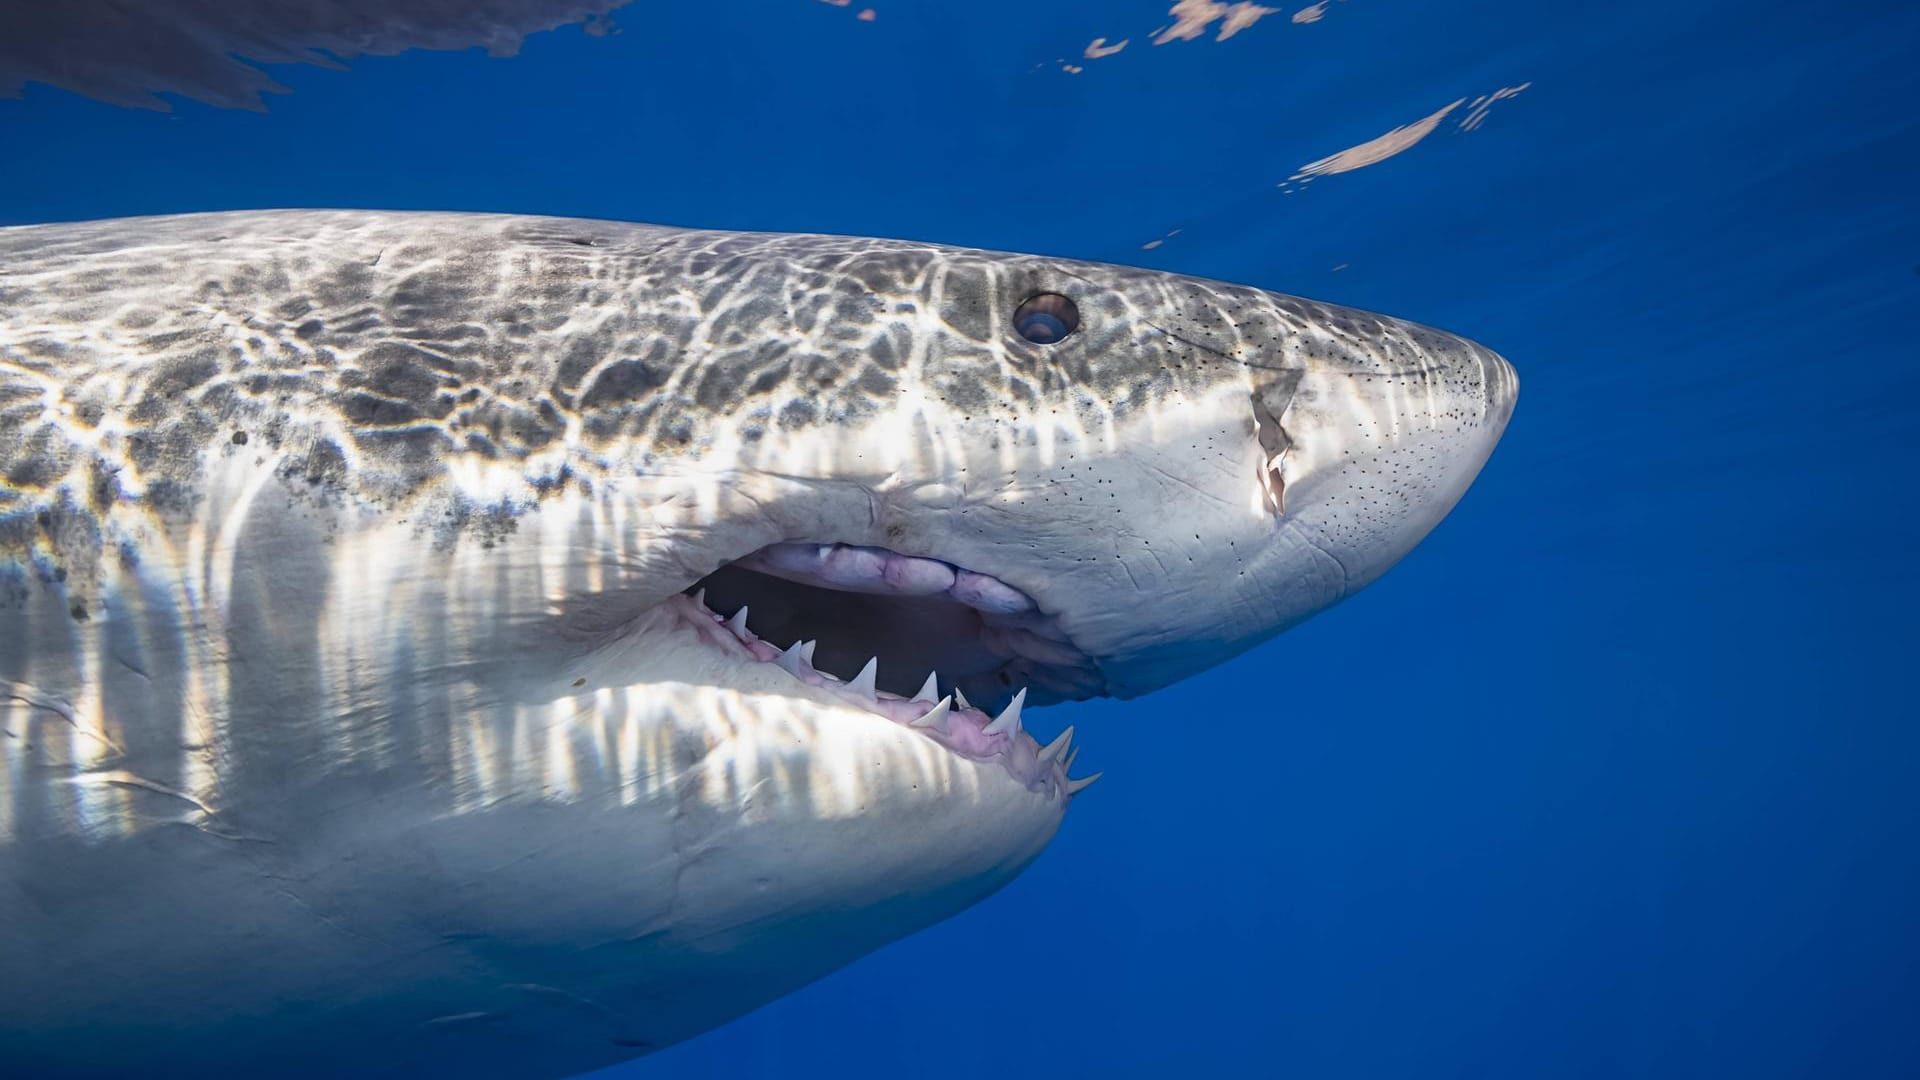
column 870, row 633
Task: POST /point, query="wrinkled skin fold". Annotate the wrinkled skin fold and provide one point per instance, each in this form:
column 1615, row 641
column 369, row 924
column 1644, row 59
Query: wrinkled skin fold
column 363, row 706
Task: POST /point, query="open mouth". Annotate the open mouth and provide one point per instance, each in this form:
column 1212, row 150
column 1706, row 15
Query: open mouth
column 919, row 641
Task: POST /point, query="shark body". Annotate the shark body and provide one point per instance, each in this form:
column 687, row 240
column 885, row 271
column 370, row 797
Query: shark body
column 510, row 645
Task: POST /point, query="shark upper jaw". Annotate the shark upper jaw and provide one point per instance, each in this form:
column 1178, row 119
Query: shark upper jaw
column 929, row 622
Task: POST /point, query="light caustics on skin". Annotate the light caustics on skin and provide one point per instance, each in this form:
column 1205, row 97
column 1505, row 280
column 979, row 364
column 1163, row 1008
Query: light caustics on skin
column 531, row 642
column 587, row 738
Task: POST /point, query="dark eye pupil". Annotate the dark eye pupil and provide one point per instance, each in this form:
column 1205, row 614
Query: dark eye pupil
column 1043, row 328
column 1046, row 318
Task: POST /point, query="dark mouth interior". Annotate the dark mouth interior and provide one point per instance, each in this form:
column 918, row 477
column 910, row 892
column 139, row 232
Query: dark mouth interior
column 987, row 655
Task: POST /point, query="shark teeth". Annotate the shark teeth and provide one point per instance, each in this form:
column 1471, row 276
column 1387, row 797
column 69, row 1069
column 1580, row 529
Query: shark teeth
column 1009, row 718
column 1053, row 749
column 937, row 716
column 929, row 690
column 863, row 683
column 950, row 720
column 794, row 659
column 1075, row 787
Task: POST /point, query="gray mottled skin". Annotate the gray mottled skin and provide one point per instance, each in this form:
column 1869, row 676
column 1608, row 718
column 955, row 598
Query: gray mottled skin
column 346, row 720
column 415, row 339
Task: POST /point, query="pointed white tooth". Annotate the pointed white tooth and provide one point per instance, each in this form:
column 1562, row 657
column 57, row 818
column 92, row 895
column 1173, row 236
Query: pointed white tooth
column 738, row 624
column 960, row 700
column 937, row 716
column 1052, row 749
column 929, row 690
column 793, row 659
column 1067, row 765
column 700, row 597
column 1075, row 787
column 806, row 650
column 1009, row 718
column 863, row 682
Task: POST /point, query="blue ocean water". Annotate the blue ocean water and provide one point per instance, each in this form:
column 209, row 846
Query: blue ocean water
column 1618, row 774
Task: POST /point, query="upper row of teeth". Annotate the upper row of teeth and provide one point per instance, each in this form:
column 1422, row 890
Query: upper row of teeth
column 797, row 660
column 1011, row 623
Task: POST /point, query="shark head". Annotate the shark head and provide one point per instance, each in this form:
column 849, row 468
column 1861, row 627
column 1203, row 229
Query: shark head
column 1067, row 478
column 559, row 637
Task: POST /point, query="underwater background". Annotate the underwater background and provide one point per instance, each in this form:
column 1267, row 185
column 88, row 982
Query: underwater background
column 1618, row 774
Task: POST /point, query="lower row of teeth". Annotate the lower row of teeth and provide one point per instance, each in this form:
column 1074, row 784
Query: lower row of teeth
column 951, row 719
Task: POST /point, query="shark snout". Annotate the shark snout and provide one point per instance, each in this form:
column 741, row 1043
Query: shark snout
column 1384, row 439
column 1501, row 392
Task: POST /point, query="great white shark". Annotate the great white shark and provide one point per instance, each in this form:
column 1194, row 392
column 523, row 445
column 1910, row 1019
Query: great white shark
column 505, row 645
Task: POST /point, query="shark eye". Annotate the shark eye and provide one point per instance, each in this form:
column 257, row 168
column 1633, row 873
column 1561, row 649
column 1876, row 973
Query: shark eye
column 1046, row 318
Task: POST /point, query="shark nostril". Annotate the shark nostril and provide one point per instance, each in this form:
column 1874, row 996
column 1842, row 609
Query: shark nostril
column 1274, row 484
column 1269, row 404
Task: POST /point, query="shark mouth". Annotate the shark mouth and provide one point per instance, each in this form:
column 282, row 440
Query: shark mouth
column 886, row 632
